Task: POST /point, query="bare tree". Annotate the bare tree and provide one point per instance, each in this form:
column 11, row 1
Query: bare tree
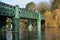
column 42, row 6
column 55, row 3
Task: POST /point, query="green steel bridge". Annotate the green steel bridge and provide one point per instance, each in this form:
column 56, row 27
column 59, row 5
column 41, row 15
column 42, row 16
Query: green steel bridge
column 16, row 14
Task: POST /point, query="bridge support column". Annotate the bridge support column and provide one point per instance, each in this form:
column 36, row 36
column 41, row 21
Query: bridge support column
column 15, row 29
column 15, row 23
column 39, row 27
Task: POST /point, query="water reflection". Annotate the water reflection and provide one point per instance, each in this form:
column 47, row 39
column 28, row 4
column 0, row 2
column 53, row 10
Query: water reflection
column 28, row 35
column 28, row 30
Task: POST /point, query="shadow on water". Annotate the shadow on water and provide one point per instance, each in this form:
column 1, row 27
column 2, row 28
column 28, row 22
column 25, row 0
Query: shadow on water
column 43, row 30
column 2, row 24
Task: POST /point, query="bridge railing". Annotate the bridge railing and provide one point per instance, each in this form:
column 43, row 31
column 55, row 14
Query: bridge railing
column 6, row 9
column 6, row 6
column 27, row 13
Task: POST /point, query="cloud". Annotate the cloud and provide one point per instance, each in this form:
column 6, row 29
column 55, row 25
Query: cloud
column 21, row 3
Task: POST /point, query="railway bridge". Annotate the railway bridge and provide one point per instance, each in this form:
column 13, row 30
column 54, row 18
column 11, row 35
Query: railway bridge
column 16, row 14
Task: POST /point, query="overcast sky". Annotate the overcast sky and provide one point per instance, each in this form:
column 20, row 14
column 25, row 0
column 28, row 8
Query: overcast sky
column 22, row 3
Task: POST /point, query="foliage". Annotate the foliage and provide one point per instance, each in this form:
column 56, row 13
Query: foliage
column 42, row 6
column 31, row 6
column 55, row 4
column 52, row 19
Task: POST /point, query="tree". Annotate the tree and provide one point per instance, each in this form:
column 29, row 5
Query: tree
column 52, row 19
column 31, row 6
column 48, row 18
column 55, row 4
column 42, row 6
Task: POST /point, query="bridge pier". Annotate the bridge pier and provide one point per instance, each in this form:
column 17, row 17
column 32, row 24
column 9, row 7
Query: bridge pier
column 39, row 27
column 15, row 29
column 15, row 23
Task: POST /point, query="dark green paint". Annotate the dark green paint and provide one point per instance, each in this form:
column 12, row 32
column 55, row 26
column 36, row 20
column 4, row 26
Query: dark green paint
column 16, row 13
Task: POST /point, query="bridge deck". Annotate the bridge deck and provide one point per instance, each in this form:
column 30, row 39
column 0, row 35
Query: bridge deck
column 8, row 10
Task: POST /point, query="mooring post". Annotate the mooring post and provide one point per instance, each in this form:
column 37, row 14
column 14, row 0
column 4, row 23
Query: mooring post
column 39, row 27
column 15, row 23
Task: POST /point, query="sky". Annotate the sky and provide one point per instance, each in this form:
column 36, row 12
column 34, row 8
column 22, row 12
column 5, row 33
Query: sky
column 22, row 3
